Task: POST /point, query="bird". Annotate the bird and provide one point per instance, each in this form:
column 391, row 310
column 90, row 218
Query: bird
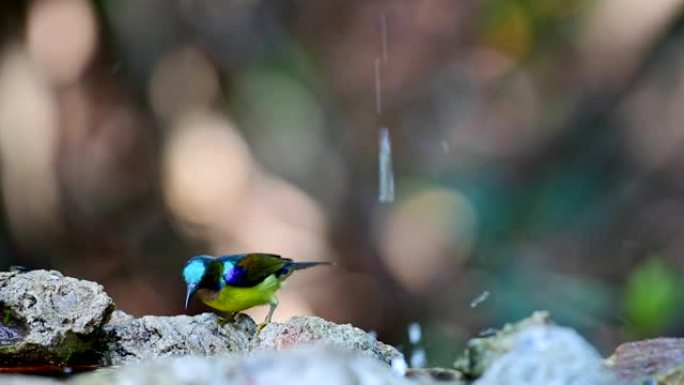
column 232, row 283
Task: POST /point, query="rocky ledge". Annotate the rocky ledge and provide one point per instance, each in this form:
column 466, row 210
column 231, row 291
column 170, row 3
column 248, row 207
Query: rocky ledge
column 49, row 321
column 52, row 319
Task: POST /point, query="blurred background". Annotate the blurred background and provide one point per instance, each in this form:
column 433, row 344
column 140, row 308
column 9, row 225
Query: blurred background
column 537, row 156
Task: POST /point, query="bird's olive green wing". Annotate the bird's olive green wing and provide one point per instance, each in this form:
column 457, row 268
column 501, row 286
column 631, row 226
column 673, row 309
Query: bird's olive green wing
column 252, row 269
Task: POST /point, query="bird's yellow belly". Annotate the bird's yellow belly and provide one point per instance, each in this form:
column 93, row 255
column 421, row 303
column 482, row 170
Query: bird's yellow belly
column 233, row 299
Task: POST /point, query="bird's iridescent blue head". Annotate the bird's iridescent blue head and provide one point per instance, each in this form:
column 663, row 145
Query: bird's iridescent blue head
column 194, row 272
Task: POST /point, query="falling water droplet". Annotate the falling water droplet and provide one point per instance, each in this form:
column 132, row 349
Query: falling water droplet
column 418, row 358
column 480, row 298
column 383, row 36
column 386, row 188
column 414, row 332
column 378, row 88
column 445, row 147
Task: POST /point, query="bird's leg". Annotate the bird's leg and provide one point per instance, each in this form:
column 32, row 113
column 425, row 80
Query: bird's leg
column 227, row 318
column 273, row 306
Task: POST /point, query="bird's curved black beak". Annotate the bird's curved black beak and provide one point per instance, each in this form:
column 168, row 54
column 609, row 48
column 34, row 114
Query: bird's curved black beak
column 192, row 288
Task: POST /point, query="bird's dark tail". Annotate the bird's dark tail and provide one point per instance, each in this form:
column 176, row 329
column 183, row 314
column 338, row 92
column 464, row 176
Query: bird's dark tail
column 306, row 265
column 292, row 266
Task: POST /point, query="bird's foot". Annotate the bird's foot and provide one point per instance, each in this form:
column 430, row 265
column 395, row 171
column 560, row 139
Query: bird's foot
column 226, row 319
column 267, row 320
column 261, row 326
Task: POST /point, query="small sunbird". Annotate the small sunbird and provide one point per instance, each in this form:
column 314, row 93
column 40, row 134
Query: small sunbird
column 232, row 283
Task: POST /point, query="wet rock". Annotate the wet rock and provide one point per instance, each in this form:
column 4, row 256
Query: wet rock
column 301, row 366
column 47, row 317
column 436, row 376
column 16, row 379
column 535, row 352
column 480, row 353
column 656, row 361
column 315, row 330
column 138, row 339
column 548, row 354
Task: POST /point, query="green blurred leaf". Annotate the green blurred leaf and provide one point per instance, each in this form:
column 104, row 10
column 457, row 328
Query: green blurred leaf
column 651, row 296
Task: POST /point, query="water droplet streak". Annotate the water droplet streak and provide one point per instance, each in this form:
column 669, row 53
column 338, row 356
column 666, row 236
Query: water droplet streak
column 386, row 188
column 418, row 358
column 480, row 299
column 383, row 36
column 414, row 333
column 378, row 88
column 445, row 147
column 386, row 171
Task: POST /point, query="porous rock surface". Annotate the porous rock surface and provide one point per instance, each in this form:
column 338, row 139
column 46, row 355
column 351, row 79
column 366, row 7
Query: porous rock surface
column 658, row 361
column 139, row 339
column 548, row 354
column 310, row 330
column 47, row 317
column 534, row 352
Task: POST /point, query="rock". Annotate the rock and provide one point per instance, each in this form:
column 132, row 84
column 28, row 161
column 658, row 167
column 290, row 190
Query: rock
column 655, row 361
column 49, row 320
column 480, row 353
column 47, row 317
column 309, row 330
column 534, row 351
column 17, row 379
column 436, row 376
column 137, row 339
column 546, row 354
column 312, row 365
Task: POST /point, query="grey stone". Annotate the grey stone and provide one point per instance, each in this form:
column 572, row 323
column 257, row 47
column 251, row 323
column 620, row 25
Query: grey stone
column 481, row 352
column 137, row 339
column 47, row 317
column 546, row 355
column 652, row 361
column 315, row 330
column 312, row 365
column 436, row 376
column 18, row 379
